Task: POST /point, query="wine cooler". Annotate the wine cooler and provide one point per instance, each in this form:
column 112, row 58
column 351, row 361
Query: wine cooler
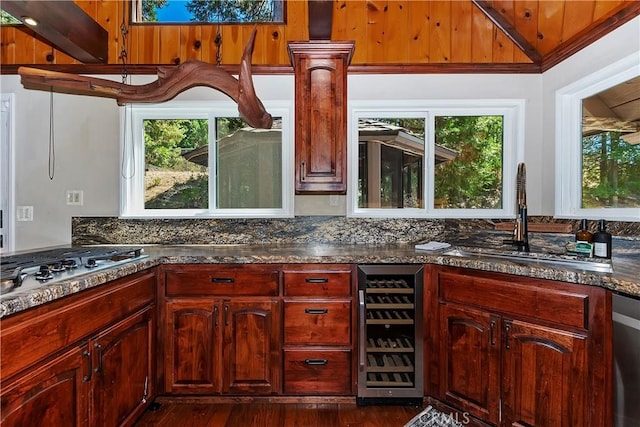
column 390, row 343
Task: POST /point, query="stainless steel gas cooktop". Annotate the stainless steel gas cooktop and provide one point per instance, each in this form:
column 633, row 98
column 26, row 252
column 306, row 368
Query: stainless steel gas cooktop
column 33, row 269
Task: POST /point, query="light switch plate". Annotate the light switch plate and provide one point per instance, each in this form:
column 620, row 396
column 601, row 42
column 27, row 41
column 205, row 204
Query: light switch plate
column 24, row 213
column 74, row 197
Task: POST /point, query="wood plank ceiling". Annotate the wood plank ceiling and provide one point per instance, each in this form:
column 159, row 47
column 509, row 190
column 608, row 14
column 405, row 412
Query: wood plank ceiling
column 391, row 36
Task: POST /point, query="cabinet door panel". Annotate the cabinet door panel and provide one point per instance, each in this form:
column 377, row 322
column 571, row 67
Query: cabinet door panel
column 124, row 374
column 470, row 355
column 545, row 376
column 192, row 348
column 252, row 346
column 52, row 395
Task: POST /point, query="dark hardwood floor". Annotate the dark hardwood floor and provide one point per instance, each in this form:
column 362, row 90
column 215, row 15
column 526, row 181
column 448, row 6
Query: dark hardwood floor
column 261, row 414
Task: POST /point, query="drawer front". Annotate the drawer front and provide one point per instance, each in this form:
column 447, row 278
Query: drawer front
column 317, row 322
column 317, row 371
column 318, row 283
column 222, row 280
column 556, row 303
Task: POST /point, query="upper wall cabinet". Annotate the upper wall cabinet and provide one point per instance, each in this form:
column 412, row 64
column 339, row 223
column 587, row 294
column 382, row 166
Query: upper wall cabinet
column 321, row 115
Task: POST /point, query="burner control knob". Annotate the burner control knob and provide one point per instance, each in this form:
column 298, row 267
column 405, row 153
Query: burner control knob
column 91, row 262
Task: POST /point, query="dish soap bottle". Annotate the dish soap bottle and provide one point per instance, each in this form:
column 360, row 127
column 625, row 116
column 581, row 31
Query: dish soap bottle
column 584, row 235
column 602, row 241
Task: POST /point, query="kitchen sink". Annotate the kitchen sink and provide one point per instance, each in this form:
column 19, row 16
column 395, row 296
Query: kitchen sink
column 533, row 258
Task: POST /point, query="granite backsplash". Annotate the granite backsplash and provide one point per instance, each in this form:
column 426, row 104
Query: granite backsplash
column 324, row 229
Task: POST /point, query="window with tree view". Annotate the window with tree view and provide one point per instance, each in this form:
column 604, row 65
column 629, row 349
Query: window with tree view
column 438, row 161
column 471, row 176
column 205, row 163
column 203, row 11
column 610, row 147
column 598, row 144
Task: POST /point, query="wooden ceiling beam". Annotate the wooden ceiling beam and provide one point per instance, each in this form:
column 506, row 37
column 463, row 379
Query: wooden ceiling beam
column 320, row 19
column 66, row 26
column 509, row 30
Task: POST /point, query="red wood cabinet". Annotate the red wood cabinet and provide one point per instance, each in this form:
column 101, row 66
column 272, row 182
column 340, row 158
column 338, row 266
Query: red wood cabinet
column 123, row 370
column 516, row 351
column 84, row 360
column 318, row 329
column 219, row 342
column 321, row 115
column 54, row 393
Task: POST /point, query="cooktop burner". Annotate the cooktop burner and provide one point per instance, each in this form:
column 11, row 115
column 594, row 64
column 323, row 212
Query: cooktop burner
column 34, row 268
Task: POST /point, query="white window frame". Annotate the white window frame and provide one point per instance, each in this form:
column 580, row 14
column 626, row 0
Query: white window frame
column 133, row 163
column 568, row 135
column 513, row 151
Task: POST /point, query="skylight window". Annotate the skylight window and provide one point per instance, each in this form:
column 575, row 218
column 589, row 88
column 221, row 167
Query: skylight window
column 203, row 11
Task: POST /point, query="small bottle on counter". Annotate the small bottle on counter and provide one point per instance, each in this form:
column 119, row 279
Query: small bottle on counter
column 602, row 241
column 584, row 235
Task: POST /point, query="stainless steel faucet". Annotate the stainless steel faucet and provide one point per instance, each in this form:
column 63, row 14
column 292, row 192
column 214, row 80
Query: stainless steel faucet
column 520, row 231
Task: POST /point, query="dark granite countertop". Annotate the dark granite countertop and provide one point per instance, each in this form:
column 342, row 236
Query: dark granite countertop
column 625, row 278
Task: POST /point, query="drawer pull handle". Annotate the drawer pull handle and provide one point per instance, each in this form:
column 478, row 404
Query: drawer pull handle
column 222, row 280
column 316, row 310
column 316, row 280
column 315, row 361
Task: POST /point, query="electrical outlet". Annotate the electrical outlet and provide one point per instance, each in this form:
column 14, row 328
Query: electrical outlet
column 333, row 200
column 24, row 213
column 74, row 197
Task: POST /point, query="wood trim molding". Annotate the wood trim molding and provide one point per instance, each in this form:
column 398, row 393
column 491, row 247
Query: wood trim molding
column 145, row 69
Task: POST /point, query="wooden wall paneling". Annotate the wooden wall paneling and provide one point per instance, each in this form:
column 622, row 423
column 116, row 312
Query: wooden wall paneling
column 62, row 58
column 440, row 31
column 41, row 50
column 603, row 7
column 418, row 33
column 357, row 19
column 109, row 16
column 503, row 48
column 7, row 44
column 259, row 52
column 208, row 43
column 526, row 23
column 232, row 43
column 339, row 23
column 148, row 44
column 461, row 22
column 551, row 15
column 297, row 23
column 190, row 42
column 376, row 23
column 397, row 32
column 481, row 37
column 170, row 44
column 577, row 16
column 275, row 46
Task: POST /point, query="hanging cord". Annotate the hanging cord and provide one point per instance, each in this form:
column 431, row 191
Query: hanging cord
column 127, row 142
column 52, row 148
column 124, row 31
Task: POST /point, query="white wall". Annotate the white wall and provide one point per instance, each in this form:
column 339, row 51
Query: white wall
column 87, row 148
column 616, row 45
